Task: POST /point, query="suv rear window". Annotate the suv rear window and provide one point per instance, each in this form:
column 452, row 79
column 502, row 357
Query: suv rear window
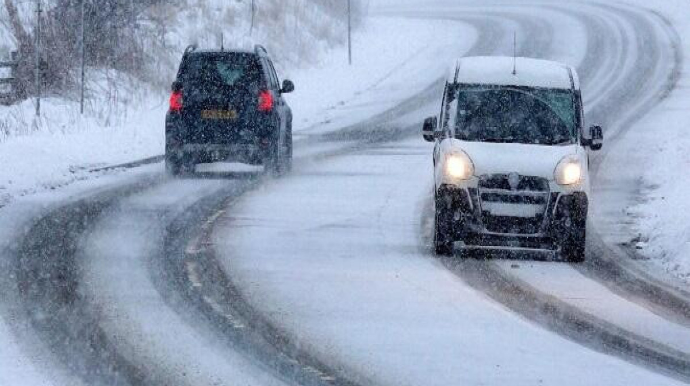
column 219, row 71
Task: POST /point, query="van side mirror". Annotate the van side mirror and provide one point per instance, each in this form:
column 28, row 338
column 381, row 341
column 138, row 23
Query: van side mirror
column 176, row 86
column 429, row 129
column 596, row 138
column 288, row 87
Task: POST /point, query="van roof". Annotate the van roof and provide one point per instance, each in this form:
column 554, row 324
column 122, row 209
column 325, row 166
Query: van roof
column 498, row 70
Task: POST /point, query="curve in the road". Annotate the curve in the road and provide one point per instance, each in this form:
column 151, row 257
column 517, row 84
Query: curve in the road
column 193, row 271
column 640, row 81
column 560, row 316
column 48, row 273
column 48, row 286
column 187, row 267
column 609, row 264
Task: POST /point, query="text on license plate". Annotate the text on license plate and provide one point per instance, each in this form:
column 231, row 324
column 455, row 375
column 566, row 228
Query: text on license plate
column 218, row 114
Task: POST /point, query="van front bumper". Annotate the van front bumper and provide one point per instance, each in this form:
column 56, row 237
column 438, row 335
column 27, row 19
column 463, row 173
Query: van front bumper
column 534, row 220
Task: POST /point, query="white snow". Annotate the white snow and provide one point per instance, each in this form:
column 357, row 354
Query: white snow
column 17, row 369
column 24, row 360
column 644, row 187
column 344, row 271
column 66, row 147
column 394, row 58
column 565, row 283
column 135, row 315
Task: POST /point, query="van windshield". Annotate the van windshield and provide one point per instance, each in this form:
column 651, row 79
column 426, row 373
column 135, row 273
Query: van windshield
column 516, row 115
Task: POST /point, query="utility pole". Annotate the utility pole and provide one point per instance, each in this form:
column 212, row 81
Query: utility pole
column 133, row 23
column 38, row 57
column 251, row 26
column 83, row 55
column 349, row 31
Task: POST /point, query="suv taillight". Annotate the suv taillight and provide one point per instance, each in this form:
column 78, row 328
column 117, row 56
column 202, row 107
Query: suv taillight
column 265, row 101
column 176, row 101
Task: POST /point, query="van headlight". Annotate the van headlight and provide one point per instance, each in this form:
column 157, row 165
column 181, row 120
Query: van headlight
column 569, row 171
column 459, row 166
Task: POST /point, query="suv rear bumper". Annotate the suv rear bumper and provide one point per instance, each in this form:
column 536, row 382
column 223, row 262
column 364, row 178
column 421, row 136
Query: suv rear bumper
column 207, row 153
column 475, row 227
column 249, row 143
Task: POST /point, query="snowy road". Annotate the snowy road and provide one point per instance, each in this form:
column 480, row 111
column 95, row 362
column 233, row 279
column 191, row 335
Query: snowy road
column 325, row 276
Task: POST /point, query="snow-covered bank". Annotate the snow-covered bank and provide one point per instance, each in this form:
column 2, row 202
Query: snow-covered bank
column 643, row 188
column 63, row 146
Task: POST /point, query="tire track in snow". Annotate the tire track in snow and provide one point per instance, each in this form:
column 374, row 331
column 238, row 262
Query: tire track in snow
column 614, row 266
column 48, row 285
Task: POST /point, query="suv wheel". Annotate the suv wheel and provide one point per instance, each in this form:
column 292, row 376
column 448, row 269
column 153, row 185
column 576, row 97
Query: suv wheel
column 443, row 230
column 274, row 161
column 287, row 162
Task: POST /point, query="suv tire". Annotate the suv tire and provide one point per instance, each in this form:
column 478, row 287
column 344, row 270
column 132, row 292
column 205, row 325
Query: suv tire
column 287, row 164
column 274, row 161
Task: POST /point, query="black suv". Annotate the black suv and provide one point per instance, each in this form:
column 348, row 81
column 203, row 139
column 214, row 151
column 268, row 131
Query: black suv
column 228, row 106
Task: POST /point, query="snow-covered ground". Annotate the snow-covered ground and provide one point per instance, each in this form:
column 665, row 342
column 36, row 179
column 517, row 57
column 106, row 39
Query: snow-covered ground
column 24, row 360
column 133, row 310
column 345, row 271
column 347, row 275
column 644, row 201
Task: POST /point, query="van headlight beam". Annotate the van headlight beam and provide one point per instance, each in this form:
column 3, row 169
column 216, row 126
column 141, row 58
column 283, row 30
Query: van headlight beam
column 459, row 166
column 568, row 172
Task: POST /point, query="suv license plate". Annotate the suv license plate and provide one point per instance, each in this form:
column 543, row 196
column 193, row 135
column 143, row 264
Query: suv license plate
column 218, row 114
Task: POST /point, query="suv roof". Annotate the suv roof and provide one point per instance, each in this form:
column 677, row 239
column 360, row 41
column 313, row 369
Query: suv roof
column 217, row 51
column 498, row 70
column 258, row 50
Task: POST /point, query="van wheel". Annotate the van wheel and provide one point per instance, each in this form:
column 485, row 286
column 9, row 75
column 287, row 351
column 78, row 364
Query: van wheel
column 574, row 245
column 174, row 168
column 443, row 230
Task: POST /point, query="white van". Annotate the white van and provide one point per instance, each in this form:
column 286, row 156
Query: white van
column 510, row 163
